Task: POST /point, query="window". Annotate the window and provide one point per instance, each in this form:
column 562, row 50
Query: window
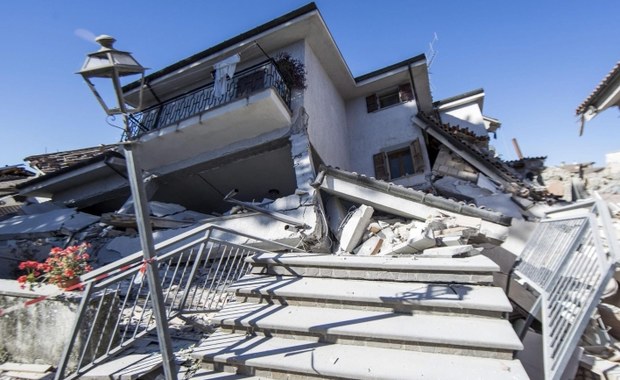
column 400, row 162
column 388, row 98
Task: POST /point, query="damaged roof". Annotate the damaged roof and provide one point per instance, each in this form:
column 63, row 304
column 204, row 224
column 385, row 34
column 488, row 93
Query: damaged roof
column 10, row 178
column 484, row 159
column 410, row 194
column 10, row 173
column 600, row 90
column 465, row 95
column 223, row 45
column 52, row 162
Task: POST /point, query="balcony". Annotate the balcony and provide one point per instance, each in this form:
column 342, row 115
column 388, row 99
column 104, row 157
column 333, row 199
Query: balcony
column 243, row 85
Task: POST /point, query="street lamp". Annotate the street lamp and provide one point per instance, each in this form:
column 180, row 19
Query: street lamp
column 107, row 62
column 112, row 64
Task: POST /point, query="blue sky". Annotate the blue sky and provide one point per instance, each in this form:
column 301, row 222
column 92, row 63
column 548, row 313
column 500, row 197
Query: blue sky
column 537, row 61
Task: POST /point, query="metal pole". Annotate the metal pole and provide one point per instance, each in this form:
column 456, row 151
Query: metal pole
column 515, row 144
column 148, row 250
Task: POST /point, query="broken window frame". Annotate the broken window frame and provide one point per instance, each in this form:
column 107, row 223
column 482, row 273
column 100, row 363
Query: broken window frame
column 383, row 160
column 389, row 97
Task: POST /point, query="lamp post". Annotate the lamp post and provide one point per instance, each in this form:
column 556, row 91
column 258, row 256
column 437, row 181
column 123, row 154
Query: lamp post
column 112, row 64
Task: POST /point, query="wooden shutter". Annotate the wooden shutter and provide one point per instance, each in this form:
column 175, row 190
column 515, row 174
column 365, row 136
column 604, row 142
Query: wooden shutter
column 371, row 103
column 417, row 157
column 381, row 169
column 405, row 93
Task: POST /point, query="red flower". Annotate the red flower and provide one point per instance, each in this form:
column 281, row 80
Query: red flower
column 61, row 265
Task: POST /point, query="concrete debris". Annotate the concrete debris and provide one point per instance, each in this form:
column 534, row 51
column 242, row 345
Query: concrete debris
column 572, row 182
column 354, row 227
column 610, row 314
column 592, row 367
column 483, row 197
column 416, row 240
column 463, row 212
column 370, row 247
column 123, row 246
column 441, row 192
column 52, row 223
column 450, row 251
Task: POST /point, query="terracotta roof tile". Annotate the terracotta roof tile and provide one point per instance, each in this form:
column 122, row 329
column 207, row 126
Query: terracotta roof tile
column 51, row 162
column 500, row 166
column 604, row 83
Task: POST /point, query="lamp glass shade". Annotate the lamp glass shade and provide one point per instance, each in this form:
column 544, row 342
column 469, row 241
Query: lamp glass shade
column 103, row 64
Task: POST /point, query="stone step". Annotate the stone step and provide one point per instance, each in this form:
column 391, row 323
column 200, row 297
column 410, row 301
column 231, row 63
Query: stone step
column 474, row 336
column 475, row 269
column 277, row 357
column 205, row 374
column 374, row 295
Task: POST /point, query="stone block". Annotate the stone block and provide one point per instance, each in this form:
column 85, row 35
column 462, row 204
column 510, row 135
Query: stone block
column 451, row 241
column 369, row 247
column 355, row 228
column 450, row 251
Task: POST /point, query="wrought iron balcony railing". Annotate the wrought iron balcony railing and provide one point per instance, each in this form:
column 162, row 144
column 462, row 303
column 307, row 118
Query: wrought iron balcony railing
column 243, row 84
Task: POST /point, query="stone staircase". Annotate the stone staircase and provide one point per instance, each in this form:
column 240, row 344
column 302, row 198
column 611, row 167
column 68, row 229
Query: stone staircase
column 303, row 316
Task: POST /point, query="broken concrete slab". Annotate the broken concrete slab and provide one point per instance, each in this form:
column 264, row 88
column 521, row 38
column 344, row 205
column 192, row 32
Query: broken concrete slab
column 479, row 196
column 454, row 251
column 12, row 252
column 164, row 209
column 39, row 208
column 23, row 375
column 419, row 239
column 409, row 203
column 370, row 247
column 354, row 228
column 52, row 223
column 25, row 367
column 335, row 215
column 452, row 241
column 123, row 246
column 259, row 225
column 610, row 314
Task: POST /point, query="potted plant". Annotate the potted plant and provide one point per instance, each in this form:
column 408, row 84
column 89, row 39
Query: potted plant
column 62, row 268
column 293, row 71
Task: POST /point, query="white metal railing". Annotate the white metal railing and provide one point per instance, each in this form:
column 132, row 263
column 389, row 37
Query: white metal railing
column 196, row 269
column 566, row 262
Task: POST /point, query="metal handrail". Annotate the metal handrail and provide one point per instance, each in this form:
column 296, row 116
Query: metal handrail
column 244, row 83
column 196, row 269
column 566, row 263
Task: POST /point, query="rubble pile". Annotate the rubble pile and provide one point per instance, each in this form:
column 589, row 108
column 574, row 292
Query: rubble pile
column 572, row 182
column 385, row 235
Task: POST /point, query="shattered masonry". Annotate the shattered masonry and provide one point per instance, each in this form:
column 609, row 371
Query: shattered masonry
column 348, row 169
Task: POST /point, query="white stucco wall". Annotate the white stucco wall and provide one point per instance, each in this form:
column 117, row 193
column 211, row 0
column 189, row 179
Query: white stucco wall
column 383, row 130
column 327, row 114
column 466, row 116
column 295, row 50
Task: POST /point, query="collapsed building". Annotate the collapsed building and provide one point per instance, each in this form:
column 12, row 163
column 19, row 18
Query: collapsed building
column 366, row 168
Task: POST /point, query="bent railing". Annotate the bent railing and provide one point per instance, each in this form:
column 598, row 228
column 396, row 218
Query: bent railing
column 196, row 269
column 567, row 261
column 242, row 84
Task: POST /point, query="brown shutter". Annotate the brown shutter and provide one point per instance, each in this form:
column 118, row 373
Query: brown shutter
column 381, row 170
column 371, row 103
column 405, row 93
column 418, row 158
